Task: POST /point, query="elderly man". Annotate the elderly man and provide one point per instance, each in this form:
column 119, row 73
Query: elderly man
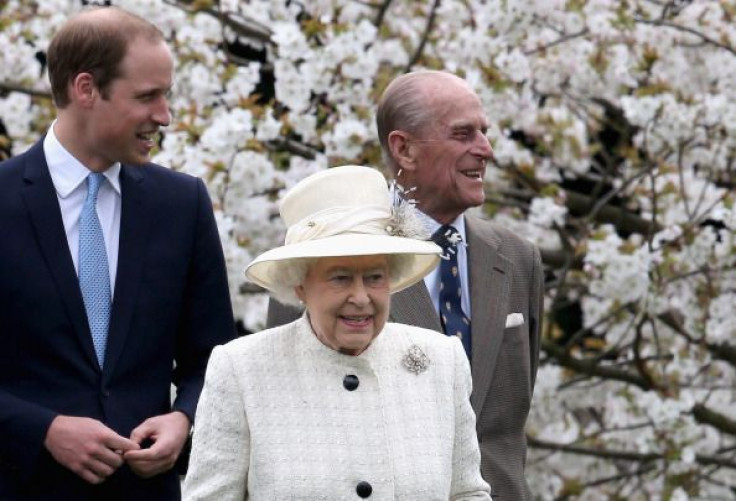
column 489, row 288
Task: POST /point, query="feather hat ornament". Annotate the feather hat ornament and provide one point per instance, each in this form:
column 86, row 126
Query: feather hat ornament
column 405, row 221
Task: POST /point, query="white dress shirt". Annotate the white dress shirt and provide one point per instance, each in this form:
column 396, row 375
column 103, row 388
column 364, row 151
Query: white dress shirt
column 432, row 280
column 69, row 177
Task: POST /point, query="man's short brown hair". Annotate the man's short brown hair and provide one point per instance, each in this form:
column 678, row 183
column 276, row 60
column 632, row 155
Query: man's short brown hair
column 94, row 41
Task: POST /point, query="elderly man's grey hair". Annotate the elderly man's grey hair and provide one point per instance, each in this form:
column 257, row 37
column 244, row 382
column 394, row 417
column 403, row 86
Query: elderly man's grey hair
column 293, row 272
column 404, row 106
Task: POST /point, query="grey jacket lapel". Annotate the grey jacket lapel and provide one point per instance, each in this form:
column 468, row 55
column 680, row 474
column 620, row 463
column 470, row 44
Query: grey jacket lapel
column 490, row 284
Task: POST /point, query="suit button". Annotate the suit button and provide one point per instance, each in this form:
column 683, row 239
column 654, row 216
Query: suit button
column 364, row 489
column 350, row 382
column 105, row 393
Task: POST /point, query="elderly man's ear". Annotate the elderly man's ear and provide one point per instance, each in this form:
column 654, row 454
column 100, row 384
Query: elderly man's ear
column 402, row 149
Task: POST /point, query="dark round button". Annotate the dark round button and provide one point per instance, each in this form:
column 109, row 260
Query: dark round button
column 364, row 489
column 350, row 382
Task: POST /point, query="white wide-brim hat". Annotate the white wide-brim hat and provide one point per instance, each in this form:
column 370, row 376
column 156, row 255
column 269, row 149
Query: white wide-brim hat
column 342, row 211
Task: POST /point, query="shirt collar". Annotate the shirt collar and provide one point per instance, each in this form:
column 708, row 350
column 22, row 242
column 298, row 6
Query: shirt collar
column 67, row 173
column 432, row 226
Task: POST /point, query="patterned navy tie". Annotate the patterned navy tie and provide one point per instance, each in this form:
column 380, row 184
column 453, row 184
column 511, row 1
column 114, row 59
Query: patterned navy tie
column 94, row 273
column 454, row 321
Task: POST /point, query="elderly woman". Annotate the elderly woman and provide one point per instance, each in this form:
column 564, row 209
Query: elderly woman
column 339, row 404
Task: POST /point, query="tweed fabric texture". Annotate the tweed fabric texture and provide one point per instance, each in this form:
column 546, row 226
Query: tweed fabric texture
column 454, row 320
column 505, row 360
column 276, row 420
column 94, row 273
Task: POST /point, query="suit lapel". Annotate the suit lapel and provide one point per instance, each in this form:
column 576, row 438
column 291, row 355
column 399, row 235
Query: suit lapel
column 489, row 273
column 411, row 306
column 133, row 231
column 39, row 196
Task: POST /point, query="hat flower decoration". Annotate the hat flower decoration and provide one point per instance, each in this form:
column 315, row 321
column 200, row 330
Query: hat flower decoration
column 404, row 220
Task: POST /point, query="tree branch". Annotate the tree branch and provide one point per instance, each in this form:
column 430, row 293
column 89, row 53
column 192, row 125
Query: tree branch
column 579, row 204
column 592, row 367
column 294, row 147
column 621, row 218
column 561, row 40
column 559, row 258
column 425, row 36
column 589, row 451
column 621, row 455
column 382, row 10
column 704, row 415
column 243, row 26
column 723, row 351
column 705, row 38
column 9, row 87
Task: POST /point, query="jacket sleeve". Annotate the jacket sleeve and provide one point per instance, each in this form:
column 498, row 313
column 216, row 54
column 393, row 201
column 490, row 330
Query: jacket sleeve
column 218, row 468
column 23, row 427
column 467, row 482
column 207, row 317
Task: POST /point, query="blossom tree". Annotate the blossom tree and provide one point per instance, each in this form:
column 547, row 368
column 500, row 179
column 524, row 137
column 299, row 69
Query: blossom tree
column 614, row 137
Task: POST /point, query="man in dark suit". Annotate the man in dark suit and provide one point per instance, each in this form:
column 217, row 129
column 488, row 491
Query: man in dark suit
column 432, row 129
column 112, row 279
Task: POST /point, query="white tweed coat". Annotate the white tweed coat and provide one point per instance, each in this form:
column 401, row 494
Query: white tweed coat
column 276, row 422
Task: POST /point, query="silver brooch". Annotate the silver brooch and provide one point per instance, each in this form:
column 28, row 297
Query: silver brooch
column 416, row 360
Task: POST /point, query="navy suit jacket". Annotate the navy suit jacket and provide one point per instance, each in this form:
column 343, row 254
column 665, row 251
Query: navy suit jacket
column 171, row 306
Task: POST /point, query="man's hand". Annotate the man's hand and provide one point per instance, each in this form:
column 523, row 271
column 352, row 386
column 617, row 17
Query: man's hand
column 167, row 434
column 87, row 447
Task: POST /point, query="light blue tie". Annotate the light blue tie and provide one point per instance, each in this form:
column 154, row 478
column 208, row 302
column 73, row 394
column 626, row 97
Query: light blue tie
column 94, row 273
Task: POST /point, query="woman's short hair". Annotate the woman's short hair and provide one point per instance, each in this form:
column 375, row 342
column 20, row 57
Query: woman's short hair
column 293, row 272
column 95, row 41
